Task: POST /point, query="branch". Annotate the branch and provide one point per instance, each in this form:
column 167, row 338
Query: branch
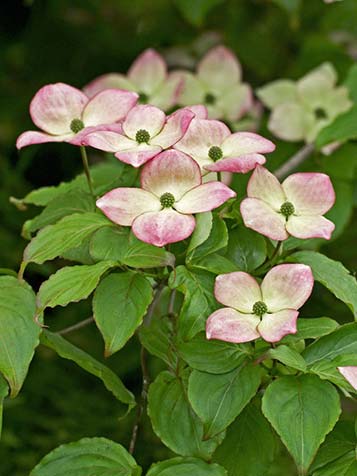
column 294, row 161
column 79, row 325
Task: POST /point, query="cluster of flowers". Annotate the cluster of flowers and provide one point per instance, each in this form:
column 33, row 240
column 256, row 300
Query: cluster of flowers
column 181, row 155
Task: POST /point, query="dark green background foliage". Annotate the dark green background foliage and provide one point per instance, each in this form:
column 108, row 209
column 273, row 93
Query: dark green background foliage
column 44, row 41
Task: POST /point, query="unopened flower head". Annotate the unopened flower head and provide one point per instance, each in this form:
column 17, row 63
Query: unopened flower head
column 294, row 207
column 269, row 310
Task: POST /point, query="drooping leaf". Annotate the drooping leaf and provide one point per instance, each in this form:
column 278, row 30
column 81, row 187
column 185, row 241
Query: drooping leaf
column 119, row 305
column 215, row 263
column 19, row 333
column 342, row 341
column 199, row 302
column 246, row 248
column 69, row 232
column 249, row 446
column 61, row 206
column 331, row 274
column 174, row 421
column 68, row 351
column 89, row 456
column 219, row 399
column 186, row 467
column 143, row 255
column 71, row 284
column 303, row 410
column 289, row 357
column 214, row 356
column 109, row 243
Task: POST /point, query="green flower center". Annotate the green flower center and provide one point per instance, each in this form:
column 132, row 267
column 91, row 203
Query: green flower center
column 142, row 136
column 215, row 153
column 210, row 98
column 76, row 125
column 260, row 308
column 167, row 200
column 320, row 113
column 143, row 98
column 287, row 209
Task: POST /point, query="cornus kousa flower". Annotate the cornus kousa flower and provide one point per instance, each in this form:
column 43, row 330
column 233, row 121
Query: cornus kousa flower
column 146, row 131
column 269, row 310
column 217, row 84
column 216, row 149
column 294, row 207
column 161, row 211
column 350, row 374
column 148, row 77
column 65, row 114
column 301, row 109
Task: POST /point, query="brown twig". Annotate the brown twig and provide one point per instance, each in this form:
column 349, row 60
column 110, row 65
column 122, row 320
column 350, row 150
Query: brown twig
column 77, row 326
column 294, row 161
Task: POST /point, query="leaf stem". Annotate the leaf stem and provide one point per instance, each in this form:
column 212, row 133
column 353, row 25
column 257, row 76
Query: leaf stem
column 86, row 169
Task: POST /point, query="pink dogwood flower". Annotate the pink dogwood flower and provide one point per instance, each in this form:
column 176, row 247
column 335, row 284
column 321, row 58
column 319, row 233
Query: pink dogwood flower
column 148, row 77
column 65, row 114
column 216, row 149
column 146, row 131
column 217, row 84
column 161, row 211
column 294, row 207
column 269, row 310
column 350, row 374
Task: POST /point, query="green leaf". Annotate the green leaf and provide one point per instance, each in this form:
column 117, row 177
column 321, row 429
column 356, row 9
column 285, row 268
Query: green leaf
column 338, row 443
column 199, row 302
column 215, row 263
column 302, row 410
column 202, row 230
column 249, row 446
column 217, row 239
column 343, row 128
column 331, row 274
column 174, row 421
column 344, row 466
column 4, row 389
column 71, row 284
column 327, row 370
column 61, row 206
column 341, row 341
column 196, row 12
column 143, row 255
column 219, row 399
column 351, row 82
column 19, row 333
column 69, row 232
column 312, row 328
column 116, row 243
column 185, row 467
column 89, row 456
column 246, row 248
column 119, row 305
column 68, row 351
column 157, row 338
column 214, row 356
column 289, row 357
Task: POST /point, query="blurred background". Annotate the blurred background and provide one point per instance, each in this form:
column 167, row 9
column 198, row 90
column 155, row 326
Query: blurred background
column 73, row 41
